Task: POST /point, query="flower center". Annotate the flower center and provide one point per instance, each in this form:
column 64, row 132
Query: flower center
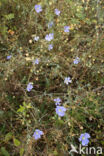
column 83, row 138
column 60, row 110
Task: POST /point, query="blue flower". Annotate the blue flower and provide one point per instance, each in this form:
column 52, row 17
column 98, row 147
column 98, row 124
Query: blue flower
column 66, row 29
column 50, row 24
column 38, row 8
column 57, row 101
column 37, row 134
column 9, row 57
column 29, row 87
column 49, row 37
column 76, row 60
column 57, row 12
column 67, row 80
column 50, row 47
column 36, row 38
column 84, row 139
column 60, row 110
column 36, row 61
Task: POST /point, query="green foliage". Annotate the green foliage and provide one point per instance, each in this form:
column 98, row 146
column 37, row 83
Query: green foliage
column 16, row 142
column 9, row 16
column 21, row 151
column 8, row 136
column 4, row 152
